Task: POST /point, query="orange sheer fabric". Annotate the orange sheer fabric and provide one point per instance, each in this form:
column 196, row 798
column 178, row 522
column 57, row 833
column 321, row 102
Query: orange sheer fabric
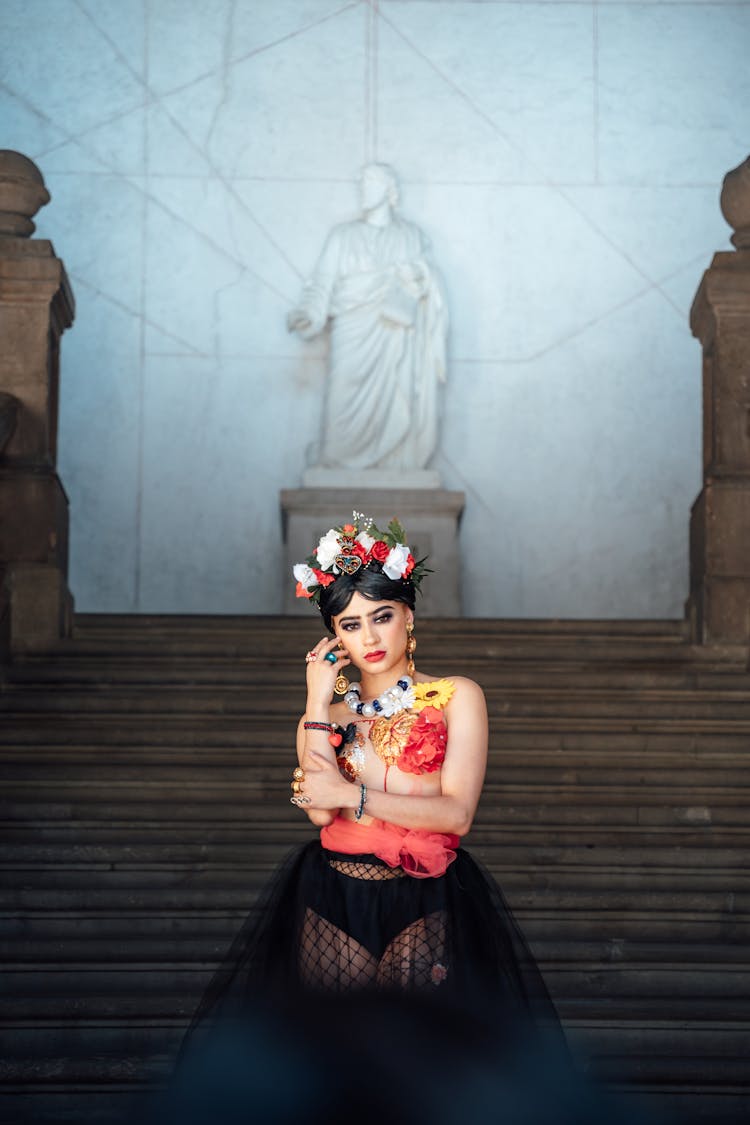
column 423, row 855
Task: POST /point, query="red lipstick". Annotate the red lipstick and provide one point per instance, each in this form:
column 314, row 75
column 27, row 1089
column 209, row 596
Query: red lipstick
column 373, row 657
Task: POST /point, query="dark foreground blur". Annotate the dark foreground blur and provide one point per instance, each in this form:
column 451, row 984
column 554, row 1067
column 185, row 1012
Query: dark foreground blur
column 362, row 1058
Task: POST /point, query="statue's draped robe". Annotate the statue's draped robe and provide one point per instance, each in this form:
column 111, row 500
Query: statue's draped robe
column 388, row 339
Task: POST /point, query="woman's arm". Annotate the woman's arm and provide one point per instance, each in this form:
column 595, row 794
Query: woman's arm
column 321, row 675
column 460, row 782
column 314, row 741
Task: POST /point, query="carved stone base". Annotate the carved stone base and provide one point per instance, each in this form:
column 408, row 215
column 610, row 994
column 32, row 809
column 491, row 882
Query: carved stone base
column 39, row 607
column 719, row 604
column 430, row 516
column 34, row 559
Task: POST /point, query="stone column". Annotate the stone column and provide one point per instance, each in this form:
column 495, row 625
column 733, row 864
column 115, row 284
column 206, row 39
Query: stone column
column 719, row 602
column 36, row 306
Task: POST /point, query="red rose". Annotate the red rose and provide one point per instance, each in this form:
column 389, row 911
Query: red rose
column 358, row 550
column 410, row 563
column 322, row 577
column 380, row 551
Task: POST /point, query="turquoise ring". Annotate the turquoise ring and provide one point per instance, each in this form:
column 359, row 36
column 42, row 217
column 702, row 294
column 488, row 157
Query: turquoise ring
column 330, row 657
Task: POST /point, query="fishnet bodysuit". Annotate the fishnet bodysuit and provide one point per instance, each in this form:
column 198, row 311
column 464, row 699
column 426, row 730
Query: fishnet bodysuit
column 332, row 959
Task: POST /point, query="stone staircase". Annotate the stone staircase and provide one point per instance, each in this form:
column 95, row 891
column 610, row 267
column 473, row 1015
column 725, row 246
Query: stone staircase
column 145, row 769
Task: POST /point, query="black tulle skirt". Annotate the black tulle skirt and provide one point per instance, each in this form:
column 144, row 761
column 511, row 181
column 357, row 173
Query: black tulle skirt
column 354, row 992
column 335, row 923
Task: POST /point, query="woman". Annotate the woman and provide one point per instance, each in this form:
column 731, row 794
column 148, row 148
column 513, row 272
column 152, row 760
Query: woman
column 391, row 773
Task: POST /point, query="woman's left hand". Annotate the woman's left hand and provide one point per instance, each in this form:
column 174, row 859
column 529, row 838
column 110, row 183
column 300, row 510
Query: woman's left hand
column 324, row 785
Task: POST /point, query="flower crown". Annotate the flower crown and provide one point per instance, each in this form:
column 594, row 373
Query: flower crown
column 346, row 549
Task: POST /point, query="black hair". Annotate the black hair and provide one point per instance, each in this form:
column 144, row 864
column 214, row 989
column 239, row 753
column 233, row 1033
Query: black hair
column 370, row 582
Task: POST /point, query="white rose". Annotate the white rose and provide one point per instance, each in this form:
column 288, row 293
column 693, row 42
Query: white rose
column 395, row 562
column 408, row 698
column 303, row 573
column 365, row 539
column 327, row 549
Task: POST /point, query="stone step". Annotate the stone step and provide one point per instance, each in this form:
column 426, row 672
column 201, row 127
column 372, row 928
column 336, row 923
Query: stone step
column 236, row 637
column 145, row 780
column 677, row 976
column 609, row 737
column 648, row 1051
column 116, row 626
column 87, row 889
column 25, row 941
column 614, row 928
column 153, row 700
column 58, row 1104
column 218, row 927
column 487, row 840
column 50, row 1104
column 240, row 871
column 254, row 766
column 103, row 673
column 168, row 987
column 523, row 811
column 219, row 786
column 555, row 863
column 513, row 757
column 27, row 851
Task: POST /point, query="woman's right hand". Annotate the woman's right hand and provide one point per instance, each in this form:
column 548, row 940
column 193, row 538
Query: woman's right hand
column 322, row 673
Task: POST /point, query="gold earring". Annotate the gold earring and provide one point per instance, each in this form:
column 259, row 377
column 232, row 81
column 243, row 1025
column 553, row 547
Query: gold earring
column 411, row 645
column 341, row 686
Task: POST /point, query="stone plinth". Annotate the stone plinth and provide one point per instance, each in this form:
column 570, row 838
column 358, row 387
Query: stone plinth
column 397, row 479
column 719, row 602
column 430, row 517
column 36, row 306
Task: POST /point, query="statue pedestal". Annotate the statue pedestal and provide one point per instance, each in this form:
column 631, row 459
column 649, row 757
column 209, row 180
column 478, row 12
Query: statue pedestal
column 361, row 479
column 719, row 604
column 429, row 515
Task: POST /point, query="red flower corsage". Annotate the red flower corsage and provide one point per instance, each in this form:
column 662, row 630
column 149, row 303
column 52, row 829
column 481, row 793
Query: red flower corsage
column 424, row 751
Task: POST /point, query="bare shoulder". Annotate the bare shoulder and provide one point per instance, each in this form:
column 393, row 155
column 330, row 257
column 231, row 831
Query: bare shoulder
column 466, row 695
column 465, row 687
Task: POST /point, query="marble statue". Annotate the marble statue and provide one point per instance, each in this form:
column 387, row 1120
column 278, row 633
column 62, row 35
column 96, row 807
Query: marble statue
column 377, row 285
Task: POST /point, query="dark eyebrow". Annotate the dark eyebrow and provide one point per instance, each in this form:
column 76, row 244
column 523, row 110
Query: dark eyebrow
column 374, row 613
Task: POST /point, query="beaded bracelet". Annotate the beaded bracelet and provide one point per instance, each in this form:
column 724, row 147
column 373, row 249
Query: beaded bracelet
column 362, row 801
column 319, row 726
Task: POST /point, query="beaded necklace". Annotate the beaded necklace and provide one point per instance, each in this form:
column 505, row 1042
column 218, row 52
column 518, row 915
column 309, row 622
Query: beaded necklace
column 400, row 697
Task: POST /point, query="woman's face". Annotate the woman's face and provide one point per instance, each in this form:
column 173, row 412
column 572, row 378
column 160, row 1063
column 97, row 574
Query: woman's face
column 374, row 633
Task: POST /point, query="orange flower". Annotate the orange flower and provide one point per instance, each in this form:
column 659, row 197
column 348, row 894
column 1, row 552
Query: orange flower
column 349, row 529
column 302, row 591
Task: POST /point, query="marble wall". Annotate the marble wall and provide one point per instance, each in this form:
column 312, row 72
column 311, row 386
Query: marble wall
column 565, row 159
